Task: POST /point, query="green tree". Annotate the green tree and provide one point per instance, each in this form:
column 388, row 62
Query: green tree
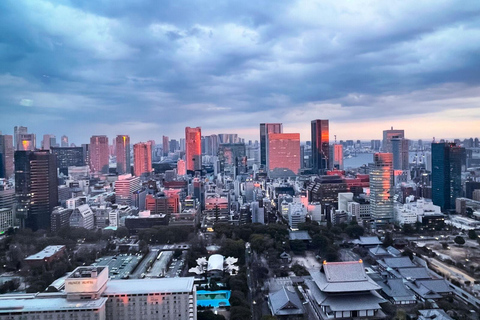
column 121, row 232
column 298, row 246
column 459, row 240
column 240, row 313
column 472, row 234
column 354, row 231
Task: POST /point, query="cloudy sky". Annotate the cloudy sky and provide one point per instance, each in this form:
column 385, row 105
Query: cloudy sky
column 148, row 68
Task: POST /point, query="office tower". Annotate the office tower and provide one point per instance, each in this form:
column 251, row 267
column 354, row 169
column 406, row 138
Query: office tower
column 214, row 140
column 6, row 156
column 336, row 157
column 142, row 155
column 375, row 145
column 125, row 186
column 193, row 152
column 265, row 129
column 26, row 142
column 181, row 169
column 400, row 153
column 64, row 141
column 320, row 145
column 36, row 188
column 68, row 157
column 122, row 151
column 231, row 157
column 173, row 145
column 381, row 188
column 98, row 151
column 49, row 141
column 17, row 131
column 165, row 146
column 283, row 154
column 470, row 187
column 388, row 135
column 446, row 174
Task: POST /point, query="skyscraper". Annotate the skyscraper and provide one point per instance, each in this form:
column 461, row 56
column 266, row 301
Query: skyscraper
column 320, row 146
column 388, row 135
column 36, row 188
column 49, row 141
column 193, row 152
column 142, row 153
column 98, row 152
column 122, row 151
column 283, row 154
column 68, row 157
column 64, row 141
column 381, row 188
column 336, row 156
column 26, row 142
column 446, row 174
column 400, row 153
column 17, row 131
column 165, row 146
column 6, row 156
column 265, row 129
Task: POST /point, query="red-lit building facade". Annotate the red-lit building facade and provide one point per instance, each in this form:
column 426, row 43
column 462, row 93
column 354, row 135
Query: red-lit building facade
column 122, row 152
column 283, row 154
column 193, row 145
column 142, row 153
column 99, row 154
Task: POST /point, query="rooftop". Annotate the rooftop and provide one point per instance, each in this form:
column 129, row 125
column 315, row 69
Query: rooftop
column 299, row 235
column 46, row 253
column 138, row 286
column 15, row 304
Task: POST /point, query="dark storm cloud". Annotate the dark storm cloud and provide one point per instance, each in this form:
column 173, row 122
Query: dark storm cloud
column 147, row 66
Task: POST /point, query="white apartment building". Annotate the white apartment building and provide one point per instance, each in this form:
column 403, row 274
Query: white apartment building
column 82, row 217
column 125, row 186
column 90, row 295
column 297, row 213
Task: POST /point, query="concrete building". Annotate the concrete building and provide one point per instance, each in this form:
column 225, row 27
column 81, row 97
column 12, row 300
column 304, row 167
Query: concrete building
column 265, row 129
column 46, row 256
column 283, row 154
column 400, row 153
column 125, row 187
column 99, row 154
column 388, row 135
column 193, row 152
column 142, row 153
column 122, row 152
column 297, row 214
column 320, row 145
column 82, row 217
column 6, row 219
column 381, row 188
column 7, row 168
column 90, row 295
column 60, row 218
column 36, row 188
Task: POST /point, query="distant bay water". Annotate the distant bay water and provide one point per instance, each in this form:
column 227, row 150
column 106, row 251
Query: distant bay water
column 365, row 158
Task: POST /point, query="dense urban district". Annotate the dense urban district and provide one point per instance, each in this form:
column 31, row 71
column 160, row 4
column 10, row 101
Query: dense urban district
column 216, row 227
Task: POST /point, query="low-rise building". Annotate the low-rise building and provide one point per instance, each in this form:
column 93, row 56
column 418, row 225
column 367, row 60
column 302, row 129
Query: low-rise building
column 46, row 256
column 82, row 217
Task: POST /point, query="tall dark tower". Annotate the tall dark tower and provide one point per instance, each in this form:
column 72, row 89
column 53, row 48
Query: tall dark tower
column 447, row 161
column 36, row 188
column 320, row 146
column 265, row 129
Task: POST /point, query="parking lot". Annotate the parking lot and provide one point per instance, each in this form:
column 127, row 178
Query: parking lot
column 120, row 266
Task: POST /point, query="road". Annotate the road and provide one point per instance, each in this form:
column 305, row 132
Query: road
column 142, row 266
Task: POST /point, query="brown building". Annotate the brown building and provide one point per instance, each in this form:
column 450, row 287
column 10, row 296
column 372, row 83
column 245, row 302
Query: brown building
column 142, row 153
column 193, row 145
column 46, row 256
column 99, row 154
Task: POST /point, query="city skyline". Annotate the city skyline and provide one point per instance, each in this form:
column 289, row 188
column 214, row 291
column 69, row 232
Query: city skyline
column 227, row 67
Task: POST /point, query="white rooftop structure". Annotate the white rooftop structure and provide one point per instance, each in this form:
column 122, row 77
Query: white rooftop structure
column 46, row 253
column 215, row 262
column 139, row 286
column 29, row 304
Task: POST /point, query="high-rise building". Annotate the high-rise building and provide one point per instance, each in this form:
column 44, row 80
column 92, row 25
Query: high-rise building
column 49, row 141
column 17, row 131
column 193, row 152
column 6, row 156
column 68, row 157
column 165, row 146
column 125, row 187
column 142, row 154
column 181, row 169
column 99, row 154
column 283, row 154
column 36, row 188
column 388, row 135
column 265, row 129
column 26, row 142
column 122, row 151
column 381, row 188
column 231, row 157
column 446, row 174
column 336, row 156
column 64, row 141
column 400, row 153
column 320, row 145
